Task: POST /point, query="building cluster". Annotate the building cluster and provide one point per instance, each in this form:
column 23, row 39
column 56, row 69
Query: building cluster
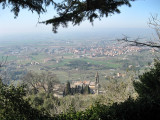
column 89, row 50
column 95, row 51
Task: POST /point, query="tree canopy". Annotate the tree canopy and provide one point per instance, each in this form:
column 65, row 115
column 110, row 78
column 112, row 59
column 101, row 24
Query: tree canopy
column 149, row 84
column 13, row 106
column 74, row 11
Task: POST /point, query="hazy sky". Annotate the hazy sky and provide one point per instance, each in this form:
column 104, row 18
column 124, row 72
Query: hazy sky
column 26, row 23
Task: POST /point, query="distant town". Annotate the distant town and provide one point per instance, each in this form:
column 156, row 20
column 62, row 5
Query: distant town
column 74, row 60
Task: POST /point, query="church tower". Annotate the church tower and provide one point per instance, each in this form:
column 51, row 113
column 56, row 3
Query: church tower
column 97, row 83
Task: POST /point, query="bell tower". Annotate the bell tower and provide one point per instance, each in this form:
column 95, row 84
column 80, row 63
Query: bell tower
column 97, row 83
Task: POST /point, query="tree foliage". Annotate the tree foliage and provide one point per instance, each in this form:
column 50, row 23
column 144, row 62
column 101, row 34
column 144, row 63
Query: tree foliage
column 37, row 82
column 146, row 106
column 84, row 89
column 74, row 11
column 13, row 106
column 67, row 90
column 32, row 5
column 149, row 84
column 143, row 109
column 80, row 64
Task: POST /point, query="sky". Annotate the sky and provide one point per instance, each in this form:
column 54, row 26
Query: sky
column 135, row 17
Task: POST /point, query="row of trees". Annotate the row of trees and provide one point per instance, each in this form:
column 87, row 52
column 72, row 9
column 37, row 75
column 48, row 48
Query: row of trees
column 79, row 64
column 76, row 90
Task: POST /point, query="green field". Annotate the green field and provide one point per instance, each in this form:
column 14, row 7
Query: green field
column 64, row 65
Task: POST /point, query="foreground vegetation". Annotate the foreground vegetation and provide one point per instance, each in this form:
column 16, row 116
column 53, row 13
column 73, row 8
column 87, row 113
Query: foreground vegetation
column 14, row 105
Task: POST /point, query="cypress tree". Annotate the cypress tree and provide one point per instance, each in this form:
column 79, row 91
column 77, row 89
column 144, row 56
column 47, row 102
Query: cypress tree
column 68, row 88
column 86, row 90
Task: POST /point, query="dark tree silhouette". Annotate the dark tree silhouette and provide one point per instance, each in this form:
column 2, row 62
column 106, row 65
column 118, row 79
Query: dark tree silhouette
column 67, row 89
column 149, row 84
column 74, row 11
column 32, row 5
column 13, row 106
column 77, row 11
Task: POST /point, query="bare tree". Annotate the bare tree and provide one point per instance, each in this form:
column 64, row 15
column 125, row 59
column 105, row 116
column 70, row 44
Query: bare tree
column 36, row 82
column 47, row 81
column 154, row 23
column 31, row 80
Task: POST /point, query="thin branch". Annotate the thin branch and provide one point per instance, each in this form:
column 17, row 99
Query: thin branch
column 137, row 43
